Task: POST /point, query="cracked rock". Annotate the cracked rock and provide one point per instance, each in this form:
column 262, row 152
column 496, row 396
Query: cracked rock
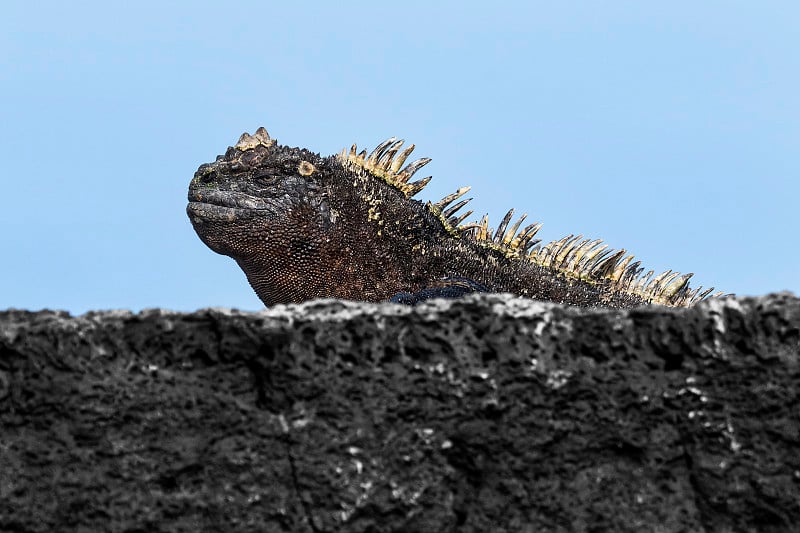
column 490, row 413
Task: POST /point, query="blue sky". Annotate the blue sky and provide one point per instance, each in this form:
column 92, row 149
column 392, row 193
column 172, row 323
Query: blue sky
column 671, row 129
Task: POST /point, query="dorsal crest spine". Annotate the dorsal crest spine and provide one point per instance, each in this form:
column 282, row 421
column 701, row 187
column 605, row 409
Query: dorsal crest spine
column 385, row 162
column 572, row 256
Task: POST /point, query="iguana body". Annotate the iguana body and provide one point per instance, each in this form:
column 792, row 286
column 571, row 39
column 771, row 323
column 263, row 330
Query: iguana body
column 302, row 226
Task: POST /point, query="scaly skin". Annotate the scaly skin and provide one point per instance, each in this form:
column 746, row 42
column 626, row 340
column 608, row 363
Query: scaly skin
column 302, row 226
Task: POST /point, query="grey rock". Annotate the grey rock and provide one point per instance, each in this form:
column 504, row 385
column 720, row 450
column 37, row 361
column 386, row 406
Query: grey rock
column 490, row 413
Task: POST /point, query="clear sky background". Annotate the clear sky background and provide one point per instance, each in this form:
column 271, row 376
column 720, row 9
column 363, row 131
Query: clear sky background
column 669, row 128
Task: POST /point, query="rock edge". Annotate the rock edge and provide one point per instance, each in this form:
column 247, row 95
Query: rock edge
column 490, row 413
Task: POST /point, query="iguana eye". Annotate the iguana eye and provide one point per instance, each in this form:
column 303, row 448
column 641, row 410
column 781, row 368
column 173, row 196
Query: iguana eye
column 305, row 168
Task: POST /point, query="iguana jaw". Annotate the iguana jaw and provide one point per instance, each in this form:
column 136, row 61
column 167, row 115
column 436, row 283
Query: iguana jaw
column 224, row 206
column 217, row 216
column 200, row 211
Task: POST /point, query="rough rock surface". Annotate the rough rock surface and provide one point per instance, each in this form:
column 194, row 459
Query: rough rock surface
column 484, row 414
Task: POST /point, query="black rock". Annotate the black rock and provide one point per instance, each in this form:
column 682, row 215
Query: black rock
column 484, row 414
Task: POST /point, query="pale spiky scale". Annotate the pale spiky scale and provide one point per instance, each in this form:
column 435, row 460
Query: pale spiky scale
column 665, row 278
column 593, row 253
column 630, row 274
column 524, row 241
column 542, row 255
column 376, row 153
column 456, row 221
column 642, row 282
column 679, row 288
column 582, row 254
column 606, row 268
column 706, row 292
column 563, row 254
column 666, row 281
column 587, row 255
column 501, row 229
column 413, row 188
column 511, row 234
column 596, row 257
column 386, row 159
column 411, row 168
column 690, row 295
column 401, row 158
column 450, row 211
column 573, row 255
column 560, row 250
column 383, row 162
column 450, row 198
column 483, row 230
column 259, row 138
column 675, row 285
column 621, row 266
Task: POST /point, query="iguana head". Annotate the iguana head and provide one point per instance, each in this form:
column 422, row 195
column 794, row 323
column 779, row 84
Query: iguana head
column 255, row 184
column 303, row 226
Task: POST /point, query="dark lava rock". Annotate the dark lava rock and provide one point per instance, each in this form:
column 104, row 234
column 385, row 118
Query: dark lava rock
column 484, row 414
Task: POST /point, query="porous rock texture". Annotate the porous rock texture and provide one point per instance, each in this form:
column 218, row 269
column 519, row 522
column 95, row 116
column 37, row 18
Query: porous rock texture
column 489, row 413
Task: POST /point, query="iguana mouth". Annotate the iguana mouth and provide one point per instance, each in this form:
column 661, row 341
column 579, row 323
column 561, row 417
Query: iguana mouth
column 233, row 199
column 212, row 204
column 203, row 212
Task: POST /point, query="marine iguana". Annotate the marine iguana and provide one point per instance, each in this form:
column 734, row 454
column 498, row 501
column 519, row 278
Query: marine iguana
column 302, row 226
